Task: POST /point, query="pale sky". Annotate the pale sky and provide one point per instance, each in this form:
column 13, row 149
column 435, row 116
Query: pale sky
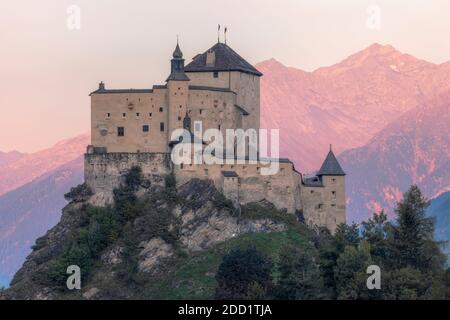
column 47, row 70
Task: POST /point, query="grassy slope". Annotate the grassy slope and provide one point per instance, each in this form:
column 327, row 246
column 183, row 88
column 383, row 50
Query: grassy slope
column 193, row 276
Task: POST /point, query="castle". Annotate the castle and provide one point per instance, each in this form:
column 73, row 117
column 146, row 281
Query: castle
column 219, row 88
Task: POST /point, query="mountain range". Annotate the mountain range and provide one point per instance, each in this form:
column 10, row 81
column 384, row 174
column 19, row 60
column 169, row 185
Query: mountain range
column 386, row 114
column 345, row 104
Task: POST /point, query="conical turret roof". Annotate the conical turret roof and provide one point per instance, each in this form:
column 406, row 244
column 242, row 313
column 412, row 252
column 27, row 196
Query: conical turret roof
column 331, row 166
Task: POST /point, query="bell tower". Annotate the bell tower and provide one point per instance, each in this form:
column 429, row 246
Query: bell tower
column 178, row 87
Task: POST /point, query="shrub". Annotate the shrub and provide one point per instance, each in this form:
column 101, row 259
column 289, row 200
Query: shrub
column 79, row 193
column 244, row 274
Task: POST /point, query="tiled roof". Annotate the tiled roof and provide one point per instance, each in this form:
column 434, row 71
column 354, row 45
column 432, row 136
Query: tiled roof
column 211, row 89
column 226, row 59
column 312, row 182
column 105, row 91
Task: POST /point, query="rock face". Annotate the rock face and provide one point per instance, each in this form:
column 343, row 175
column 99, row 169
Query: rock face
column 202, row 221
column 204, row 225
column 152, row 254
column 412, row 150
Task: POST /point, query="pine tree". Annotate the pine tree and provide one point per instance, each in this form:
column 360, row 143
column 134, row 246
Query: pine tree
column 350, row 272
column 244, row 274
column 412, row 239
column 300, row 277
column 376, row 232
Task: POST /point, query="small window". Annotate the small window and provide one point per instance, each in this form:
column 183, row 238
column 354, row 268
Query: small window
column 179, row 118
column 215, row 74
column 201, row 111
column 333, row 194
column 124, row 115
column 145, row 128
column 120, row 131
column 108, row 115
column 150, row 114
column 320, row 206
column 161, row 126
column 137, row 114
column 161, row 109
column 219, row 127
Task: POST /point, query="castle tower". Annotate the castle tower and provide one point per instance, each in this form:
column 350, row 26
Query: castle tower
column 221, row 67
column 333, row 180
column 178, row 87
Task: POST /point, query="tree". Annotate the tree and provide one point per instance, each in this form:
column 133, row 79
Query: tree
column 412, row 238
column 300, row 277
column 244, row 274
column 350, row 272
column 376, row 231
column 405, row 284
column 346, row 235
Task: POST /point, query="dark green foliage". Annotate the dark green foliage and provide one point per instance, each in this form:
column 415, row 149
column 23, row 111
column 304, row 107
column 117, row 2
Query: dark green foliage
column 40, row 243
column 79, row 193
column 405, row 284
column 85, row 245
column 413, row 234
column 133, row 178
column 300, row 277
column 170, row 191
column 125, row 196
column 376, row 231
column 244, row 274
column 221, row 202
column 255, row 211
column 350, row 272
column 346, row 235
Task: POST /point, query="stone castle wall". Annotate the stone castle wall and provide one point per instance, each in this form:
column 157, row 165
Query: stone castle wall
column 103, row 172
column 322, row 206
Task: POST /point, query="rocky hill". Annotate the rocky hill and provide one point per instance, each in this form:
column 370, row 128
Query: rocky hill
column 156, row 242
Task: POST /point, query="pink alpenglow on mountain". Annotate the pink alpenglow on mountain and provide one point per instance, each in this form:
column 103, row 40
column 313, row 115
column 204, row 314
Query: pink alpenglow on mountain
column 17, row 169
column 345, row 104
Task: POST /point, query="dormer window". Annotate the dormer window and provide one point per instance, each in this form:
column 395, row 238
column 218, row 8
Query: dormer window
column 215, row 74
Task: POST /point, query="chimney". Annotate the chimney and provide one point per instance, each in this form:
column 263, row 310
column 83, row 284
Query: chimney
column 101, row 86
column 210, row 58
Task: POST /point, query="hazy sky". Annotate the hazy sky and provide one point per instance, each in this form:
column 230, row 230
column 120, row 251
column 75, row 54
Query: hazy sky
column 48, row 70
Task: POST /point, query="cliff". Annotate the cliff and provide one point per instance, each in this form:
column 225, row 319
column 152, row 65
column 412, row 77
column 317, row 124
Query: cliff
column 156, row 242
